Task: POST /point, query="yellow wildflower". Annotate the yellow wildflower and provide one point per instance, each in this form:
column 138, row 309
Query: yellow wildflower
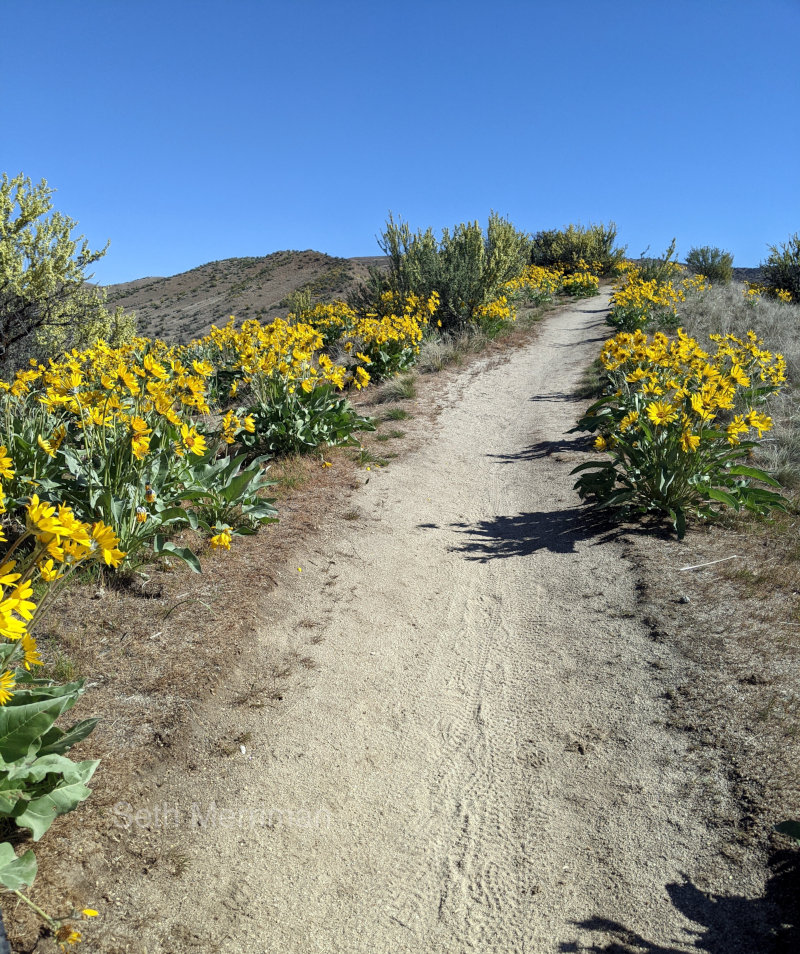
column 48, row 571
column 6, row 464
column 760, row 422
column 661, row 412
column 46, row 446
column 106, row 540
column 689, row 441
column 31, row 651
column 7, row 684
column 192, row 441
column 221, row 541
column 736, row 428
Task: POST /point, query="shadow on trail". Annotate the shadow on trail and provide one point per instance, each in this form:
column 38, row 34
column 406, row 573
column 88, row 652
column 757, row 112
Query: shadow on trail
column 522, row 534
column 543, row 449
column 596, row 340
column 726, row 924
column 557, row 396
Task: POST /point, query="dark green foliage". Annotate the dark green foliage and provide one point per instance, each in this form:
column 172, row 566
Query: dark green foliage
column 660, row 269
column 292, row 421
column 466, row 267
column 714, row 263
column 782, row 268
column 575, row 243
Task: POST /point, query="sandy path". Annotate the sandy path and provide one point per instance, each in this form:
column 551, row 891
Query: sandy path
column 479, row 762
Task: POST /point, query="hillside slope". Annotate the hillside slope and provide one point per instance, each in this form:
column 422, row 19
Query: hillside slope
column 184, row 306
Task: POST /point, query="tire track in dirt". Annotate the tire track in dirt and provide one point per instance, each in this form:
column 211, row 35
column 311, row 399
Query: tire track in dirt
column 481, row 749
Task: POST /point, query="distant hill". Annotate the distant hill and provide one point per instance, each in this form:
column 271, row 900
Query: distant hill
column 748, row 275
column 185, row 306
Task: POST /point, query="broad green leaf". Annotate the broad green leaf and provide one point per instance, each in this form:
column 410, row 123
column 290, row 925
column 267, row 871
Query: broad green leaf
column 723, row 497
column 741, row 471
column 57, row 741
column 21, row 725
column 160, row 545
column 34, row 771
column 41, row 812
column 16, row 872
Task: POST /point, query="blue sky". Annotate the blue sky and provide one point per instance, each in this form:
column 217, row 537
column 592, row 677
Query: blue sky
column 191, row 131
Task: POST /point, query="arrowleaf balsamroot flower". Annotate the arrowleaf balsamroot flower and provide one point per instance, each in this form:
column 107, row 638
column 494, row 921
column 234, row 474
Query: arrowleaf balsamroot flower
column 660, row 412
column 104, row 539
column 7, row 685
column 680, row 418
column 221, row 540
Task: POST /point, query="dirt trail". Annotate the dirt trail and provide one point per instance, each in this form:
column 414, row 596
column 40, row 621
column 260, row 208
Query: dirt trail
column 479, row 761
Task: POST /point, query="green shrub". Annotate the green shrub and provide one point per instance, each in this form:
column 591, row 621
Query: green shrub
column 782, row 268
column 466, row 267
column 576, row 247
column 714, row 263
column 46, row 302
column 659, row 269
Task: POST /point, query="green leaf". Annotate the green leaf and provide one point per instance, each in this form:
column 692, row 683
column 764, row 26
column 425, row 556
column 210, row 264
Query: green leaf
column 790, row 828
column 714, row 493
column 41, row 812
column 16, row 873
column 57, row 741
column 32, row 772
column 160, row 545
column 591, row 465
column 741, row 471
column 21, row 725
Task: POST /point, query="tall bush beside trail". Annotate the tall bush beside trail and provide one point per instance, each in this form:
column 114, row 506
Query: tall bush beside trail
column 660, row 268
column 466, row 267
column 781, row 270
column 715, row 264
column 46, row 303
column 572, row 247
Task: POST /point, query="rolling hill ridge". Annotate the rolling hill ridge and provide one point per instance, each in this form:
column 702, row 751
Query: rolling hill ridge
column 184, row 306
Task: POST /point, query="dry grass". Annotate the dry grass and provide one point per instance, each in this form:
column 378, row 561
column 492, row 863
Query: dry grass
column 734, row 629
column 451, row 348
column 440, row 351
column 400, row 388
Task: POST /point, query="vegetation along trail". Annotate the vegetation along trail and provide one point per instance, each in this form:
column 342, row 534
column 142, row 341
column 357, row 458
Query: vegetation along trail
column 478, row 759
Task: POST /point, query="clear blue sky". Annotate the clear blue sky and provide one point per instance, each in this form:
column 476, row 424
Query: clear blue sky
column 187, row 131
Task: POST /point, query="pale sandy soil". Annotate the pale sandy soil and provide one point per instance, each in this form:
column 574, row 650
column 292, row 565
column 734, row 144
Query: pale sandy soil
column 476, row 757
